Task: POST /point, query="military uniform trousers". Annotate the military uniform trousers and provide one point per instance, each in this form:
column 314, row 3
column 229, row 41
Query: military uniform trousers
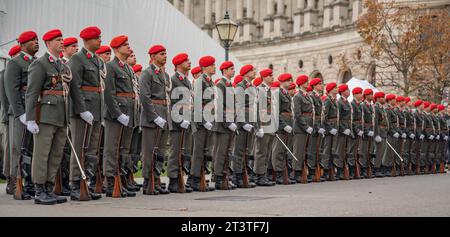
column 279, row 152
column 389, row 155
column 431, row 154
column 380, row 149
column 77, row 128
column 400, row 146
column 222, row 153
column 201, row 147
column 48, row 151
column 112, row 135
column 175, row 142
column 406, row 152
column 16, row 133
column 344, row 150
column 4, row 131
column 149, row 140
column 300, row 149
column 328, row 148
column 353, row 145
column 366, row 151
column 243, row 146
column 263, row 153
column 440, row 151
column 314, row 150
column 424, row 149
column 136, row 145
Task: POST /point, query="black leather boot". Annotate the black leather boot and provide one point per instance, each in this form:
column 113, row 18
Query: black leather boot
column 29, row 186
column 378, row 172
column 311, row 173
column 41, row 197
column 10, row 185
column 145, row 187
column 161, row 188
column 49, row 190
column 263, row 181
column 279, row 179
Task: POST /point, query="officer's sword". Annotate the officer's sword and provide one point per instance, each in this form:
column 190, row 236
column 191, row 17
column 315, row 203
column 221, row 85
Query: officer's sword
column 287, row 148
column 389, row 144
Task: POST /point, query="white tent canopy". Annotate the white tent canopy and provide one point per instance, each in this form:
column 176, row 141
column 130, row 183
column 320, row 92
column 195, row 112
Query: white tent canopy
column 145, row 22
column 355, row 82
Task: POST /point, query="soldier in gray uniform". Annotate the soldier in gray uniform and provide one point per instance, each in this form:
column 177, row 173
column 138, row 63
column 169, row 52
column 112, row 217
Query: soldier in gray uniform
column 408, row 150
column 15, row 79
column 389, row 156
column 442, row 147
column 367, row 150
column 120, row 117
column 154, row 88
column 87, row 108
column 419, row 124
column 427, row 131
column 381, row 133
column 358, row 132
column 401, row 141
column 345, row 134
column 48, row 121
column 265, row 128
column 433, row 160
column 303, row 128
column 181, row 104
column 328, row 155
column 319, row 131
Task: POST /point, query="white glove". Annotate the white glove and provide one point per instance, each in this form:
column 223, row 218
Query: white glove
column 247, row 127
column 88, row 117
column 360, row 133
column 412, row 136
column 208, row 126
column 32, row 127
column 431, row 137
column 422, row 137
column 232, row 127
column 260, row 133
column 23, row 119
column 396, row 135
column 334, row 131
column 438, row 137
column 370, row 134
column 347, row 132
column 160, row 122
column 288, row 129
column 321, row 131
column 404, row 136
column 309, row 130
column 378, row 139
column 123, row 119
column 185, row 124
column 446, row 138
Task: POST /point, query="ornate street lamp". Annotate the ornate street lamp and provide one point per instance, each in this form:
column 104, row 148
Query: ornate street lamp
column 227, row 31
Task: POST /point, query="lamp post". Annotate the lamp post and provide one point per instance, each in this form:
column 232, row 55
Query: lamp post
column 227, row 31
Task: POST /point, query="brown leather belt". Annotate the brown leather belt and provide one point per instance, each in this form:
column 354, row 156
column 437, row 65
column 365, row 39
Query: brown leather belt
column 289, row 114
column 307, row 113
column 368, row 124
column 159, row 102
column 24, row 88
column 92, row 89
column 52, row 92
column 126, row 95
column 382, row 126
column 333, row 119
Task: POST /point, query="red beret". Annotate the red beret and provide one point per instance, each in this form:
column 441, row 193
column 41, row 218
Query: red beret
column 418, row 103
column 324, row 97
column 237, row 80
column 441, row 107
column 196, row 70
column 266, row 72
column 330, row 86
column 26, row 36
column 245, row 69
column 257, row 81
column 433, row 106
column 390, row 97
column 407, row 99
column 400, row 99
column 342, row 88
column 426, row 104
column 50, row 35
column 103, row 49
column 69, row 41
column 179, row 59
column 118, row 41
column 292, row 86
column 284, row 77
column 137, row 68
column 309, row 89
column 379, row 95
column 206, row 61
column 14, row 50
column 357, row 90
column 315, row 81
column 156, row 49
column 302, row 79
column 226, row 65
column 90, row 32
column 368, row 92
column 275, row 84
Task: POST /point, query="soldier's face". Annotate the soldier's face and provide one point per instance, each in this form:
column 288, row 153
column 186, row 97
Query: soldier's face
column 56, row 45
column 319, row 87
column 229, row 72
column 186, row 65
column 160, row 58
column 211, row 70
column 346, row 93
column 93, row 44
column 125, row 49
column 106, row 57
column 251, row 74
column 268, row 80
column 131, row 60
column 138, row 74
column 286, row 84
column 358, row 96
column 369, row 97
column 197, row 75
column 32, row 46
column 71, row 50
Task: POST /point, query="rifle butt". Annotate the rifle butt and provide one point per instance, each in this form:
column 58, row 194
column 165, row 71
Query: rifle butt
column 442, row 167
column 346, row 172
column 317, row 174
column 19, row 188
column 117, row 191
column 58, row 183
column 84, row 193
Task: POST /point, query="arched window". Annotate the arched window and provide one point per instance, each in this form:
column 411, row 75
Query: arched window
column 316, row 74
column 347, row 76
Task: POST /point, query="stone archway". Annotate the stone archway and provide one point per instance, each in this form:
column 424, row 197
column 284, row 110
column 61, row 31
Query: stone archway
column 316, row 74
column 344, row 76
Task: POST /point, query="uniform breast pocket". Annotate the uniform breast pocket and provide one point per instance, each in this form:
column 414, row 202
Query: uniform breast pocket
column 49, row 100
column 91, row 73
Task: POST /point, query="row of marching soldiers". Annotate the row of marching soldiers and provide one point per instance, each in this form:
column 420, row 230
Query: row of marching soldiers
column 79, row 123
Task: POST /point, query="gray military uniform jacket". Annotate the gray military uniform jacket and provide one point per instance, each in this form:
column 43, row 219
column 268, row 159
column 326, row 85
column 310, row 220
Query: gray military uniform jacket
column 85, row 74
column 119, row 93
column 4, row 103
column 264, row 115
column 368, row 112
column 318, row 109
column 203, row 82
column 286, row 118
column 380, row 120
column 344, row 115
column 392, row 121
column 357, row 125
column 184, row 105
column 227, row 110
column 303, row 112
column 330, row 114
column 45, row 78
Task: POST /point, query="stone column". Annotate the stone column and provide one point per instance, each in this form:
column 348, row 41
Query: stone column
column 187, row 8
column 357, row 10
column 249, row 22
column 176, row 4
column 239, row 19
column 310, row 16
column 219, row 16
column 298, row 16
column 280, row 20
column 268, row 20
column 340, row 12
column 207, row 27
column 327, row 13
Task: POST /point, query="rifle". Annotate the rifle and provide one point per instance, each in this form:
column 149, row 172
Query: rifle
column 150, row 189
column 369, row 143
column 358, row 141
column 18, row 195
column 304, row 176
column 245, row 180
column 441, row 164
column 181, row 186
column 331, row 176
column 98, row 177
column 286, row 172
column 346, row 168
column 225, row 184
column 117, row 191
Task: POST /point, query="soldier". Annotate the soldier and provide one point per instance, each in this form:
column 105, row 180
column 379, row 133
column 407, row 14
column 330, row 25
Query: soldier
column 389, row 157
column 329, row 159
column 70, row 48
column 381, row 133
column 86, row 100
column 314, row 160
column 303, row 128
column 104, row 52
column 434, row 142
column 402, row 129
column 120, row 117
column 16, row 78
column 137, row 69
column 196, row 72
column 203, row 101
column 48, row 122
column 245, row 101
column 358, row 131
column 265, row 129
column 442, row 148
column 419, row 136
column 426, row 143
column 154, row 87
column 181, row 87
column 409, row 130
column 257, row 82
column 279, row 154
column 366, row 151
column 345, row 134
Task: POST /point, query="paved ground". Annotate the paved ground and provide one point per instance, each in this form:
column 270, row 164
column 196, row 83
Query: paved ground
column 426, row 195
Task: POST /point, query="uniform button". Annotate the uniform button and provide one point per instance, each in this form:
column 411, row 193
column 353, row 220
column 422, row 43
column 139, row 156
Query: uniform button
column 48, row 102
